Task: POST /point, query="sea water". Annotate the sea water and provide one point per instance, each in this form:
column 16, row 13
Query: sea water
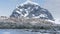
column 27, row 31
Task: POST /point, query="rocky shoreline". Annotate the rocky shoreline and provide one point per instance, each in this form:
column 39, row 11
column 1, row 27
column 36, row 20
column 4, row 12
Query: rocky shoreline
column 27, row 23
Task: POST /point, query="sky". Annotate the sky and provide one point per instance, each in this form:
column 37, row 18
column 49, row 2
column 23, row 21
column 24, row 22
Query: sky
column 7, row 6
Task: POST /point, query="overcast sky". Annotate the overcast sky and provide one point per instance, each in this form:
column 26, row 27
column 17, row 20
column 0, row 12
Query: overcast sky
column 53, row 6
column 7, row 6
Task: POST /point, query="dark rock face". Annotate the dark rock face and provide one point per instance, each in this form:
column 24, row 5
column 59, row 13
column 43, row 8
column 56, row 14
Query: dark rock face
column 31, row 10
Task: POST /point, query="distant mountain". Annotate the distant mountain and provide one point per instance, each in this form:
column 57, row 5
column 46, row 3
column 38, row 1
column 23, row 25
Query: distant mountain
column 31, row 10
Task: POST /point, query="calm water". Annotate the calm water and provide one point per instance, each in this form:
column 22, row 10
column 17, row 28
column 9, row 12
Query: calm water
column 27, row 31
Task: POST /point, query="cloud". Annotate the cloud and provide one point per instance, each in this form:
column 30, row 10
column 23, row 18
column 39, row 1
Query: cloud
column 57, row 21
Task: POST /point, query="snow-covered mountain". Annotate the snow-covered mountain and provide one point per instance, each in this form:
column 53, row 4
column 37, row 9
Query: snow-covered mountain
column 31, row 10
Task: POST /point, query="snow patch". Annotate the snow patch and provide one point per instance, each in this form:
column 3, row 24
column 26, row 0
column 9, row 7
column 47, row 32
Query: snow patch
column 29, row 7
column 42, row 15
column 49, row 20
column 18, row 12
column 26, row 13
column 36, row 7
column 21, row 9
